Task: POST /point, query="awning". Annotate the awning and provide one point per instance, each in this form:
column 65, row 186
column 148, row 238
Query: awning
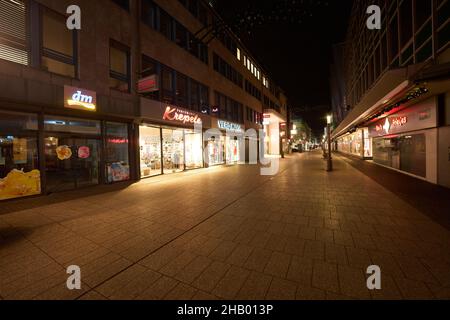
column 391, row 84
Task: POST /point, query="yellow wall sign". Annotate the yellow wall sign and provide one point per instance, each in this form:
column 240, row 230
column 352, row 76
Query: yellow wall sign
column 80, row 99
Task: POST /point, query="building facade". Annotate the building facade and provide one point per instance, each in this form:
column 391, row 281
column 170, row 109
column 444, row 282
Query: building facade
column 122, row 98
column 397, row 89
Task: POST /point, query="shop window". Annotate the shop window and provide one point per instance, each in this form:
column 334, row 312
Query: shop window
column 182, row 90
column 72, row 152
column 406, row 153
column 119, row 67
column 116, row 153
column 13, row 35
column 215, row 150
column 59, row 44
column 194, row 149
column 150, row 151
column 173, row 150
column 165, row 24
column 19, row 162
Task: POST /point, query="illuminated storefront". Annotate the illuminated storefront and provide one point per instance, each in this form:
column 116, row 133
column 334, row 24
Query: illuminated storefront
column 274, row 133
column 357, row 143
column 232, row 141
column 77, row 151
column 407, row 141
column 168, row 141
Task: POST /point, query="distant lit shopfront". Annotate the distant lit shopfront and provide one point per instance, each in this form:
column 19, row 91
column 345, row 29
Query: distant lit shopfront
column 49, row 152
column 168, row 140
column 407, row 140
column 357, row 144
column 275, row 131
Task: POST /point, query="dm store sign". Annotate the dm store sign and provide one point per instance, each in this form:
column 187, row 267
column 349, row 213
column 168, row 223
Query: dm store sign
column 80, row 99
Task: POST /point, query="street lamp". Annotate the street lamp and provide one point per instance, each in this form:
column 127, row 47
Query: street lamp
column 329, row 159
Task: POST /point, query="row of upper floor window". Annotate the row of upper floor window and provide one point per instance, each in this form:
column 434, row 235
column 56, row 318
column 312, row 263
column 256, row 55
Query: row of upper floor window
column 57, row 53
column 158, row 19
column 408, row 38
column 406, row 22
column 200, row 11
column 226, row 70
column 227, row 108
column 270, row 104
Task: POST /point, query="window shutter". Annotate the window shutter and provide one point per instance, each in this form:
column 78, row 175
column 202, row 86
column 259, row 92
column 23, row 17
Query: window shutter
column 13, row 31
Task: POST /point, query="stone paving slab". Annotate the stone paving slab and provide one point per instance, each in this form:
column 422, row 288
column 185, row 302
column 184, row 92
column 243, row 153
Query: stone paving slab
column 228, row 233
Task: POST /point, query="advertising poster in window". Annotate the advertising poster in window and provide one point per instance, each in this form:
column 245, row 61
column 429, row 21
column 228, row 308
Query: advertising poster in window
column 18, row 183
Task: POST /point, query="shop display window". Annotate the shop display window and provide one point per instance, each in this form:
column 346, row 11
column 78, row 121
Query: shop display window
column 117, row 157
column 232, row 149
column 173, row 150
column 194, row 150
column 19, row 165
column 406, row 153
column 150, row 151
column 216, row 150
column 72, row 152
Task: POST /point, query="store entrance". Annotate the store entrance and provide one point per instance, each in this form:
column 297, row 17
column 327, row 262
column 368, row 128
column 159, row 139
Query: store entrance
column 71, row 162
column 173, row 150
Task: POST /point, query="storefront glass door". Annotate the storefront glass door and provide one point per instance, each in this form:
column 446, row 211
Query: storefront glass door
column 173, row 150
column 150, row 151
column 71, row 162
column 194, row 150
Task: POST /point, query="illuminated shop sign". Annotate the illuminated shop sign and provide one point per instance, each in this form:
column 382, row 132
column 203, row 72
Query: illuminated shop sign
column 118, row 140
column 80, row 99
column 214, row 109
column 180, row 115
column 225, row 125
column 148, row 84
column 266, row 120
column 391, row 123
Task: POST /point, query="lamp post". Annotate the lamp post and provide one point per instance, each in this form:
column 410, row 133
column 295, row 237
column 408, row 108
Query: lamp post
column 329, row 159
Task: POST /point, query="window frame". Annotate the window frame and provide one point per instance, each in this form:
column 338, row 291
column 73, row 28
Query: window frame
column 53, row 54
column 117, row 75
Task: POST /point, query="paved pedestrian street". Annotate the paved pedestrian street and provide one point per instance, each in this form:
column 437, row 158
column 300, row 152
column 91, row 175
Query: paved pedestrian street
column 228, row 233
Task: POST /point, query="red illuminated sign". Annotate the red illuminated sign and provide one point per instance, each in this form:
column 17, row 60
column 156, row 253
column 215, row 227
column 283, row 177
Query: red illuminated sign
column 394, row 122
column 118, row 141
column 184, row 116
column 148, row 84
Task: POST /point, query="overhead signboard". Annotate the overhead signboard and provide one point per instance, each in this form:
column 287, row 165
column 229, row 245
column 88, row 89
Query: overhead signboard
column 80, row 99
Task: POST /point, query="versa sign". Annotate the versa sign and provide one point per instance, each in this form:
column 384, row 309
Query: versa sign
column 225, row 125
column 80, row 99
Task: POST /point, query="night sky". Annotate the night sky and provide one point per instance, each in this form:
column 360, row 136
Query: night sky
column 292, row 39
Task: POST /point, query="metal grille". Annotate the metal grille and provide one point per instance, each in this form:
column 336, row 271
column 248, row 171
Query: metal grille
column 13, row 31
